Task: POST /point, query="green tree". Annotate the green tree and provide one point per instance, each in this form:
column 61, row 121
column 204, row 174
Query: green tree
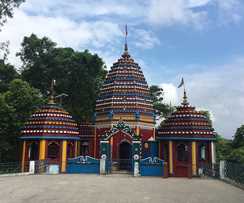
column 162, row 109
column 23, row 98
column 16, row 105
column 238, row 140
column 7, row 9
column 7, row 74
column 4, row 51
column 237, row 155
column 78, row 74
column 36, row 55
column 7, row 128
column 223, row 148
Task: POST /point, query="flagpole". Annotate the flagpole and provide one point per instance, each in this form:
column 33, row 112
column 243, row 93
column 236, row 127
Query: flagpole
column 184, row 94
column 126, row 33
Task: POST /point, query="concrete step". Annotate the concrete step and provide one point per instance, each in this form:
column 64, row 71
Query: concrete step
column 121, row 172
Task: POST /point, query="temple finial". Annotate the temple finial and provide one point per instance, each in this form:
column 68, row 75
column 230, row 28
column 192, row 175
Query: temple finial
column 182, row 83
column 126, row 34
column 185, row 102
column 52, row 92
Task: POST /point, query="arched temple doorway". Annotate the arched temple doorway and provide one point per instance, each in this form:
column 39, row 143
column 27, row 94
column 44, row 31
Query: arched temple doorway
column 125, row 154
column 119, row 146
column 182, row 159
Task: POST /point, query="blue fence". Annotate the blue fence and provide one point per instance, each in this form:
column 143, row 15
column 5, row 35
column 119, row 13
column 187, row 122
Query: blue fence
column 83, row 164
column 151, row 150
column 152, row 166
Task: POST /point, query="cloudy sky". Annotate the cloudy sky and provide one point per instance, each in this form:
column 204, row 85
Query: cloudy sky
column 200, row 40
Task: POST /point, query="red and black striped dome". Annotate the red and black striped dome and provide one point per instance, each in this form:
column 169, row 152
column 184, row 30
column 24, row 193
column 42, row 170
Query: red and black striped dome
column 186, row 122
column 50, row 121
column 125, row 89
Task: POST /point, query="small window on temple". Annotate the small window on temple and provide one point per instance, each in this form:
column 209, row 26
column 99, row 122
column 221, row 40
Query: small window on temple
column 53, row 151
column 84, row 148
column 182, row 152
column 202, row 152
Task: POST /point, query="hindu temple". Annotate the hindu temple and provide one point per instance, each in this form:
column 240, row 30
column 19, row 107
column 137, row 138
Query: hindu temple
column 123, row 135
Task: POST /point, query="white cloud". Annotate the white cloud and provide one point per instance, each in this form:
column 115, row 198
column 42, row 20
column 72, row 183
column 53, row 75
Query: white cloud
column 168, row 12
column 229, row 11
column 78, row 35
column 170, row 93
column 83, row 8
column 145, row 39
column 198, row 3
column 184, row 12
column 157, row 12
column 221, row 90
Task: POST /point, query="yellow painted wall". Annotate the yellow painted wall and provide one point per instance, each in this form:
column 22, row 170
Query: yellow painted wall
column 171, row 157
column 76, row 148
column 194, row 159
column 23, row 157
column 64, row 156
column 42, row 150
column 137, row 130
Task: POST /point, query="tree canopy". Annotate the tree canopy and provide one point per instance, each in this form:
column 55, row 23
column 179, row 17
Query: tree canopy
column 16, row 105
column 232, row 150
column 239, row 137
column 78, row 74
column 162, row 109
column 7, row 74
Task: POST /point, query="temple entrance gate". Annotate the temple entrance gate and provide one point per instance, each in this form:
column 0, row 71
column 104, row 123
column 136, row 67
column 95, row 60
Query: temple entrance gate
column 125, row 149
column 120, row 149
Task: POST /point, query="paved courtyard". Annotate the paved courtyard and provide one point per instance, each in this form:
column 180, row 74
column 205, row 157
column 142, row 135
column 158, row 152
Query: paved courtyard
column 115, row 188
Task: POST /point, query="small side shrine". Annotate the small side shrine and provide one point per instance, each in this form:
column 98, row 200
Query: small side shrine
column 50, row 134
column 186, row 141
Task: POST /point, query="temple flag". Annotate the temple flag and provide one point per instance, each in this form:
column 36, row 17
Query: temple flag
column 181, row 83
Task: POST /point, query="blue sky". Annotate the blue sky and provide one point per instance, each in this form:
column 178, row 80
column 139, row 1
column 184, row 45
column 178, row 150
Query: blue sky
column 201, row 40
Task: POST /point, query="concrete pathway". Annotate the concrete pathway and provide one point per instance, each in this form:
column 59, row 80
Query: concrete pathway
column 115, row 188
